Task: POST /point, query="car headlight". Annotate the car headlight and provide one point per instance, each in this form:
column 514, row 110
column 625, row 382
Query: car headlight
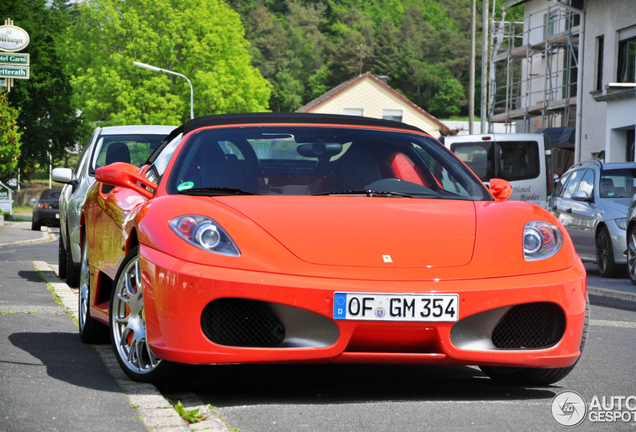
column 621, row 223
column 205, row 234
column 541, row 240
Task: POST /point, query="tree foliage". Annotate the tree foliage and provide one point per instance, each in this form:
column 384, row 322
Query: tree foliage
column 203, row 40
column 9, row 138
column 306, row 47
column 47, row 119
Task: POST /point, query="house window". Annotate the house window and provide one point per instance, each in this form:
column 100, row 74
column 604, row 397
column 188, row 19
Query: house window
column 600, row 47
column 392, row 114
column 627, row 55
column 353, row 111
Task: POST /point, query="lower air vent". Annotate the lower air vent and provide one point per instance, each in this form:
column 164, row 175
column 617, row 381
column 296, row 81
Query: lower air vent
column 532, row 325
column 242, row 323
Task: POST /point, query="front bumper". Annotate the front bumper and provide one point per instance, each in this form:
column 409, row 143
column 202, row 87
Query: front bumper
column 619, row 242
column 179, row 294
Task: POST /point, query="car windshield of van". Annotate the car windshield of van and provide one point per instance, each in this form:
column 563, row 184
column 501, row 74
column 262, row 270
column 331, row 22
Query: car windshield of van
column 618, row 183
column 317, row 160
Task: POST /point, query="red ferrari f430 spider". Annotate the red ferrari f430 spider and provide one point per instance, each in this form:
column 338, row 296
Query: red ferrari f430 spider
column 307, row 238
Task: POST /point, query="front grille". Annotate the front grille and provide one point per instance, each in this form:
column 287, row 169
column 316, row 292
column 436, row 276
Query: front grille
column 241, row 322
column 532, row 325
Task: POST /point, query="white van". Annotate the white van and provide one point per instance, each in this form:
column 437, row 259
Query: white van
column 525, row 160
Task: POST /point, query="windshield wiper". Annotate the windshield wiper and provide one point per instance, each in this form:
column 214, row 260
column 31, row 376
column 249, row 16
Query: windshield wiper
column 215, row 191
column 369, row 193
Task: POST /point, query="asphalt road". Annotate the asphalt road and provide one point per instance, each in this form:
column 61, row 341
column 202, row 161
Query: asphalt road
column 37, row 392
column 49, row 381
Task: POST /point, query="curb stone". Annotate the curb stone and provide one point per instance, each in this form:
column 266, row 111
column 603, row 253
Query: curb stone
column 152, row 407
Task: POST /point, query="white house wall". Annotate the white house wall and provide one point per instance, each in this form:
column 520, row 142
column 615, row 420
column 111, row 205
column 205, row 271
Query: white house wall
column 621, row 114
column 373, row 98
column 605, row 18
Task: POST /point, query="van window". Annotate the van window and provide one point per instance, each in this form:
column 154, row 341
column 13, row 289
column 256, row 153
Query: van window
column 475, row 156
column 514, row 160
column 519, row 160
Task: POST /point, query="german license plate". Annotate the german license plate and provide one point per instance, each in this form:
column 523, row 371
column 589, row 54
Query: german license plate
column 396, row 307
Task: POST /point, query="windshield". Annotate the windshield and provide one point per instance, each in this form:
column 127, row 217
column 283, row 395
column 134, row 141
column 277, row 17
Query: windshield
column 304, row 160
column 618, row 183
column 129, row 148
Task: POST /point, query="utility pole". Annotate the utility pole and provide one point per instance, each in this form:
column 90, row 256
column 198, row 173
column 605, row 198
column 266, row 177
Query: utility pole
column 471, row 79
column 484, row 68
column 360, row 56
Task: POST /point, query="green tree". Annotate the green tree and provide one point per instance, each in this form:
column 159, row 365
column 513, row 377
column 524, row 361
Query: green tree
column 448, row 97
column 202, row 40
column 9, row 138
column 48, row 121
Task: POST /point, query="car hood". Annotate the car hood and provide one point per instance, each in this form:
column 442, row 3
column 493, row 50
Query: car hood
column 619, row 205
column 365, row 231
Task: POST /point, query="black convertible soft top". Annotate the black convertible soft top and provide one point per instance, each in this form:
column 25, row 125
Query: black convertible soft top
column 248, row 118
column 264, row 118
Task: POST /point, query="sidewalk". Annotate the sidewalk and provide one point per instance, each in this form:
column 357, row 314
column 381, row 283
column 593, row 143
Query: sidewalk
column 20, row 233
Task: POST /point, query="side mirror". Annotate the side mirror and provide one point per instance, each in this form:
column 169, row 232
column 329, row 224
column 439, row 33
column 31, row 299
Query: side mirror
column 62, row 175
column 580, row 195
column 33, row 200
column 125, row 175
column 500, row 189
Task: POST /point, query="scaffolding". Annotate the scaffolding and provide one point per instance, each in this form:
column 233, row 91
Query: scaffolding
column 535, row 70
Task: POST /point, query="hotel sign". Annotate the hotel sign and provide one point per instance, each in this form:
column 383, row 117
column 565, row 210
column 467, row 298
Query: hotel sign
column 13, row 38
column 14, row 59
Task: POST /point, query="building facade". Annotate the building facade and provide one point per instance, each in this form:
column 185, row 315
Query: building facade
column 608, row 115
column 570, row 63
column 370, row 96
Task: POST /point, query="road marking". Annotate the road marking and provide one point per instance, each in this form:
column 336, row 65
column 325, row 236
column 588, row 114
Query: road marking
column 604, row 323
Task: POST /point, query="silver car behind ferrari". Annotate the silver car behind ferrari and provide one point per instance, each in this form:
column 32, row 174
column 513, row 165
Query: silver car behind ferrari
column 132, row 144
column 591, row 200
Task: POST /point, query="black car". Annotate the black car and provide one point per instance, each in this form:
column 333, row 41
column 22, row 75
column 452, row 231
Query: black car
column 46, row 209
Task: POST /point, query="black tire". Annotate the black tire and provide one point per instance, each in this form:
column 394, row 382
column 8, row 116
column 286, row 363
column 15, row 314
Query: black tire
column 35, row 226
column 72, row 272
column 91, row 331
column 61, row 258
column 607, row 267
column 128, row 328
column 631, row 254
column 536, row 376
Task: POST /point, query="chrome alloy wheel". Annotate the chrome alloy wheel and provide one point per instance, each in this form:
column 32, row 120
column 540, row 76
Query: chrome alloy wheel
column 84, row 287
column 128, row 324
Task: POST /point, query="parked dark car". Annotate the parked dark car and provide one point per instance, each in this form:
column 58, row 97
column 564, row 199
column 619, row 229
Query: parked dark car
column 46, row 209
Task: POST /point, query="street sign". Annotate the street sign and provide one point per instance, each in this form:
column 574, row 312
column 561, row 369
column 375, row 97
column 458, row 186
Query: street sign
column 14, row 59
column 14, row 72
column 3, row 82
